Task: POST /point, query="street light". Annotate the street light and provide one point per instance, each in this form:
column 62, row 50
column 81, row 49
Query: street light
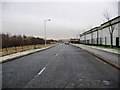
column 45, row 29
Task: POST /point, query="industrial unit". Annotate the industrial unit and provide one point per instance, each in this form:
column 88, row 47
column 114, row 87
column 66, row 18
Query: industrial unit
column 101, row 36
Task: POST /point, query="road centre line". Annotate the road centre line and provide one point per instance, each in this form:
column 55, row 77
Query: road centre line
column 44, row 67
column 54, row 57
column 41, row 71
column 49, row 63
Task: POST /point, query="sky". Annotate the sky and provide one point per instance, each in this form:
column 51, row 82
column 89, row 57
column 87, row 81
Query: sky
column 68, row 18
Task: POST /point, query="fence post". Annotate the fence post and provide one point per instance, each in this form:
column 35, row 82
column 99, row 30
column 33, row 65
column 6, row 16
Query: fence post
column 22, row 48
column 7, row 50
column 15, row 49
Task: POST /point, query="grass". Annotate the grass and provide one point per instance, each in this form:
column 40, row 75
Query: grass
column 12, row 50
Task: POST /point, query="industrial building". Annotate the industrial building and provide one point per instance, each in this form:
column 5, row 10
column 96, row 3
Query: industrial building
column 101, row 36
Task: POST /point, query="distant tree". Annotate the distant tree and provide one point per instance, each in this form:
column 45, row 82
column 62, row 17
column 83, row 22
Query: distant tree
column 111, row 26
column 18, row 40
column 5, row 40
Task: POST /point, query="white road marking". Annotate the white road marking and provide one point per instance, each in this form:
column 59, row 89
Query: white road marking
column 97, row 58
column 105, row 63
column 101, row 60
column 44, row 67
column 41, row 71
column 53, row 57
column 35, row 77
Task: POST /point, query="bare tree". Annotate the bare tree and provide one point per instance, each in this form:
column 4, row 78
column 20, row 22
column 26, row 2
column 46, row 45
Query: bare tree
column 19, row 40
column 111, row 26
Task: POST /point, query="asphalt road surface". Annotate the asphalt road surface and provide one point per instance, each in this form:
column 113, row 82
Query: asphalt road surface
column 63, row 66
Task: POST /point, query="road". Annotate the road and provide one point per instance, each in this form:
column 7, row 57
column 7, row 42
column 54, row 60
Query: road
column 63, row 66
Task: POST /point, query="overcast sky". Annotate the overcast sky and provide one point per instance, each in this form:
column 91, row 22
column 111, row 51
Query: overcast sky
column 67, row 18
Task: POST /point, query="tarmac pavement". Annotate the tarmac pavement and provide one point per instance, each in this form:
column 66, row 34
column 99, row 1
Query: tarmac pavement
column 109, row 56
column 63, row 66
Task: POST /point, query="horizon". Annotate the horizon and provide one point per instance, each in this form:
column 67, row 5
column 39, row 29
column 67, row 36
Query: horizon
column 68, row 19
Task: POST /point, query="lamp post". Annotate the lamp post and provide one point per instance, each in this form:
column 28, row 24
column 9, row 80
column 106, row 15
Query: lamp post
column 45, row 29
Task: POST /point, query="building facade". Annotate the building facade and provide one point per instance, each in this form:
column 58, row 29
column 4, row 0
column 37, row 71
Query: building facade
column 101, row 36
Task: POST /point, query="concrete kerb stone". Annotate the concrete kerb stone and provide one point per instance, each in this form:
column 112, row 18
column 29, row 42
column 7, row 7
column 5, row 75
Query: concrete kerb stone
column 101, row 58
column 42, row 49
column 105, row 50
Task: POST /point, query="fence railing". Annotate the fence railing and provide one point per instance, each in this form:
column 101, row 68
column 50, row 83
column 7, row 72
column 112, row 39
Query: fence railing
column 12, row 50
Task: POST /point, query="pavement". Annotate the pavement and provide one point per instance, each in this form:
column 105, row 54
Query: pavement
column 63, row 66
column 110, row 56
column 21, row 54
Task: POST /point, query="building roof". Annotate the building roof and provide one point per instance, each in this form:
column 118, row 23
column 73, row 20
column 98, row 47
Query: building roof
column 111, row 22
column 104, row 25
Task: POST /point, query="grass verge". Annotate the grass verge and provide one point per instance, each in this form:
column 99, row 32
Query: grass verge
column 12, row 50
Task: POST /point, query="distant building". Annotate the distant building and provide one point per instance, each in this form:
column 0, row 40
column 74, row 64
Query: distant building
column 100, row 35
column 74, row 40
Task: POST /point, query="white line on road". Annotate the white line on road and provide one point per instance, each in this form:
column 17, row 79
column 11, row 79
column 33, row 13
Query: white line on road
column 53, row 57
column 100, row 60
column 44, row 67
column 35, row 77
column 41, row 71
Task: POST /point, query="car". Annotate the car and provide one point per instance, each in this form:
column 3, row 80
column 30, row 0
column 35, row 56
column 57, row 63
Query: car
column 67, row 43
